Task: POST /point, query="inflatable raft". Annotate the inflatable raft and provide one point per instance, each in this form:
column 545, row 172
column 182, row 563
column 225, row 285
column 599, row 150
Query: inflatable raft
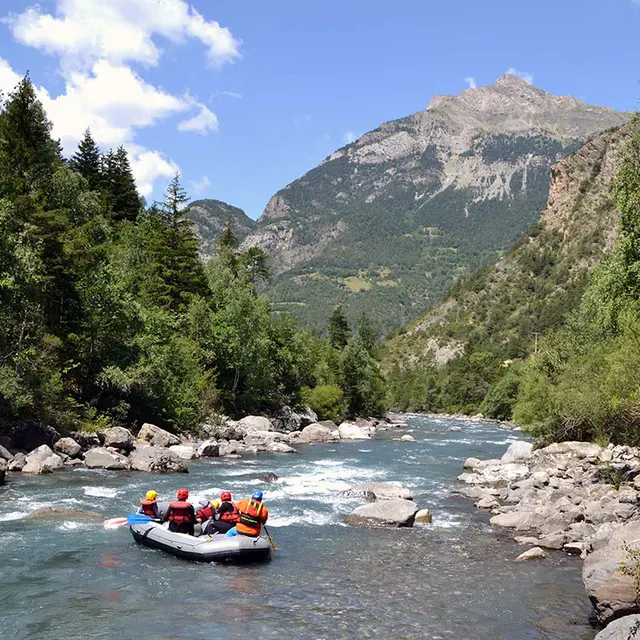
column 216, row 548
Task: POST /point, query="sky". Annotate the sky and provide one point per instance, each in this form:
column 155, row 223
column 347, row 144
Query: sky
column 242, row 97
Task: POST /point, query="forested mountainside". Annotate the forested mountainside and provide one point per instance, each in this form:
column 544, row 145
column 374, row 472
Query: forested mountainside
column 109, row 316
column 387, row 224
column 503, row 340
column 210, row 219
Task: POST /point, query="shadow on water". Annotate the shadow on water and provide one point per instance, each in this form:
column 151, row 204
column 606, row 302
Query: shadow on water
column 69, row 579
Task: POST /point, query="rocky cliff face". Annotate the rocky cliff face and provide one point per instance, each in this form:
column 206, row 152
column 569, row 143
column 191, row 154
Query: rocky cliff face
column 387, row 224
column 532, row 288
column 210, row 219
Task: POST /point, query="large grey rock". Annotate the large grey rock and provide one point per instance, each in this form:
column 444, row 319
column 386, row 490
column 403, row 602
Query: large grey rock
column 119, row 438
column 471, row 463
column 184, row 451
column 86, row 440
column 389, row 513
column 29, row 435
column 68, row 446
column 574, row 449
column 5, row 454
column 156, row 436
column 254, row 423
column 101, row 458
column 307, row 416
column 286, row 420
column 315, row 433
column 3, row 470
column 18, row 462
column 383, row 490
column 627, row 628
column 519, row 450
column 280, row 447
column 349, row 431
column 209, row 449
column 62, row 512
column 263, row 438
column 42, row 460
column 157, row 460
column 611, row 592
column 513, row 520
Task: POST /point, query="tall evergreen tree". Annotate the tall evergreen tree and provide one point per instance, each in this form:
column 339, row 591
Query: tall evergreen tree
column 122, row 199
column 339, row 330
column 28, row 155
column 86, row 160
column 366, row 333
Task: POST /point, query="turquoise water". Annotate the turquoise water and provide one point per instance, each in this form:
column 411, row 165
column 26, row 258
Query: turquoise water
column 69, row 579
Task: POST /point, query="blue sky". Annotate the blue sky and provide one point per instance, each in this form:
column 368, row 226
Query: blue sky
column 243, row 97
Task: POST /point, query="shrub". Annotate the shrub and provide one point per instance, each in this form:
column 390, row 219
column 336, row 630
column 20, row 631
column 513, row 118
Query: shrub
column 327, row 401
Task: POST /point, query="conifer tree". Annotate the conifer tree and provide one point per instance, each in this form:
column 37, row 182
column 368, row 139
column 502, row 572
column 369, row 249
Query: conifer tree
column 86, row 160
column 339, row 330
column 122, row 199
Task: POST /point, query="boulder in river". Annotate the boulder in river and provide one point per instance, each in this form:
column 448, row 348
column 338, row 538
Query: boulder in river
column 407, row 437
column 101, row 458
column 209, row 449
column 157, row 460
column 536, row 553
column 42, row 460
column 18, row 462
column 627, row 628
column 119, row 438
column 519, row 450
column 156, row 436
column 86, row 440
column 280, row 447
column 307, row 416
column 349, row 431
column 5, row 454
column 268, row 477
column 574, row 449
column 185, row 451
column 611, row 592
column 286, row 420
column 3, row 470
column 383, row 490
column 423, row 517
column 388, row 513
column 254, row 423
column 62, row 512
column 315, row 432
column 68, row 446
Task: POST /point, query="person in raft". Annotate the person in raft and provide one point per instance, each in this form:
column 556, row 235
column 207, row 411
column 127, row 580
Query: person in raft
column 253, row 514
column 208, row 510
column 227, row 516
column 149, row 504
column 181, row 514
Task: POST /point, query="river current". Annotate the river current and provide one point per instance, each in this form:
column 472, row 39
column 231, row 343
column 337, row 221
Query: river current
column 68, row 579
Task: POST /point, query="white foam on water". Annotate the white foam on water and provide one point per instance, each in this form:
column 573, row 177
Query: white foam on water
column 446, row 521
column 329, row 463
column 308, row 516
column 364, row 450
column 72, row 525
column 13, row 515
column 100, row 492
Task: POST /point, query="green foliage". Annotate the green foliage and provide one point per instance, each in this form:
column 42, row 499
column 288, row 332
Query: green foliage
column 86, row 161
column 327, row 401
column 339, row 330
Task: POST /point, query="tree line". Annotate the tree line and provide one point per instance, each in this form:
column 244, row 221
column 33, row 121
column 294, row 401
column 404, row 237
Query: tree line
column 109, row 316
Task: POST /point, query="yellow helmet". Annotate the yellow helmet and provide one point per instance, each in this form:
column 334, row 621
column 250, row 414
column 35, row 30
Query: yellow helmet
column 216, row 503
column 151, row 495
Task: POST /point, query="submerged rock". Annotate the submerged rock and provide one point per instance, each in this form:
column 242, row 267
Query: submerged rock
column 62, row 512
column 407, row 437
column 157, row 460
column 68, row 446
column 536, row 553
column 156, row 436
column 268, row 477
column 388, row 513
column 101, row 458
column 627, row 628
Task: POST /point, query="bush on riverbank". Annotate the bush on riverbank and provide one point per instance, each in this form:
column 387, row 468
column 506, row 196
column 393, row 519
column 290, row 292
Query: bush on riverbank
column 108, row 316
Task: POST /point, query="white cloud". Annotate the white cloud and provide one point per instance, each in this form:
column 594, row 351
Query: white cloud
column 83, row 31
column 349, row 137
column 527, row 77
column 238, row 96
column 202, row 123
column 471, row 81
column 148, row 166
column 199, row 186
column 8, row 77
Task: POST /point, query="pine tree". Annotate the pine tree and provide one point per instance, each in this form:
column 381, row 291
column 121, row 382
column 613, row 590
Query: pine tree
column 28, row 155
column 86, row 160
column 367, row 334
column 122, row 199
column 339, row 330
column 227, row 237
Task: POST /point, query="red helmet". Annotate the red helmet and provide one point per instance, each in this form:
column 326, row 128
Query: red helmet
column 182, row 494
column 225, row 496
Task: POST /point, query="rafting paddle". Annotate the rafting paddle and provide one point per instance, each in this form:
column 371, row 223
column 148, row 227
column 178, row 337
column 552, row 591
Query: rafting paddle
column 131, row 519
column 271, row 542
column 114, row 523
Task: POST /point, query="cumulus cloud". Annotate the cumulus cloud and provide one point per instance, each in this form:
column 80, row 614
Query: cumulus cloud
column 527, row 77
column 199, row 186
column 471, row 82
column 95, row 44
column 349, row 137
column 202, row 123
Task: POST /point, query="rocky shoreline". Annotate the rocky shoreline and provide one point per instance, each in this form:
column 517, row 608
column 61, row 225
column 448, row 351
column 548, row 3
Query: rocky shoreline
column 578, row 498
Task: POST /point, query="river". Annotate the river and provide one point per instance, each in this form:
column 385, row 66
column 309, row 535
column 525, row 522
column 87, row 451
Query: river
column 71, row 580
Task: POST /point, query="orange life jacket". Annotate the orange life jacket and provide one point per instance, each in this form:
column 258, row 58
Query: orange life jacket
column 149, row 507
column 181, row 512
column 253, row 515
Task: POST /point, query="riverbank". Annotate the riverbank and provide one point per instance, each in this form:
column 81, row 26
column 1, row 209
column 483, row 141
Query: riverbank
column 574, row 497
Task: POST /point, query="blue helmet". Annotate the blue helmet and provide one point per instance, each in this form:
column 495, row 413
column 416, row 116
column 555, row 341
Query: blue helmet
column 257, row 495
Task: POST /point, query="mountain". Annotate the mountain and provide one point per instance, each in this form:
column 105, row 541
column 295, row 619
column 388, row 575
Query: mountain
column 210, row 218
column 450, row 357
column 388, row 223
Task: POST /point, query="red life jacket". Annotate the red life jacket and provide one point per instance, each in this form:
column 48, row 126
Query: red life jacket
column 181, row 512
column 251, row 518
column 148, row 508
column 205, row 513
column 230, row 516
